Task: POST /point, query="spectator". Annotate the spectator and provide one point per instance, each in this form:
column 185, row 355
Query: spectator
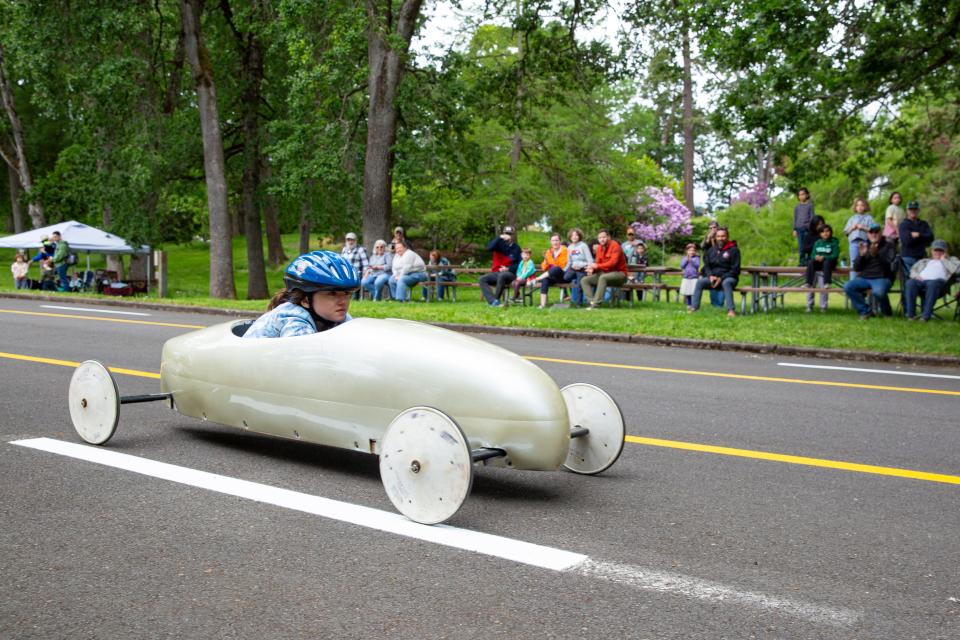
column 525, row 272
column 635, row 251
column 443, row 275
column 813, row 234
column 378, row 271
column 875, row 264
column 48, row 275
column 690, row 264
column 61, row 256
column 928, row 278
column 823, row 258
column 578, row 257
column 355, row 254
column 554, row 264
column 46, row 250
column 716, row 295
column 893, row 217
column 802, row 217
column 398, row 236
column 408, row 269
column 609, row 269
column 856, row 230
column 316, row 297
column 721, row 270
column 915, row 236
column 20, row 268
column 506, row 260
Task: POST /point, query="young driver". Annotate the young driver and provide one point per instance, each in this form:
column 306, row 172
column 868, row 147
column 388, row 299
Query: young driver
column 316, row 297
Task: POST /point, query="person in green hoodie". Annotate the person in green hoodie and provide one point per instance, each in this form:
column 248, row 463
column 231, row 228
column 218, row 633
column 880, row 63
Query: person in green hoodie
column 60, row 256
column 823, row 258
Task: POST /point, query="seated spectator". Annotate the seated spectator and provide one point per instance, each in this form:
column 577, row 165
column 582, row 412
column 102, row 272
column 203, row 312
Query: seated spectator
column 609, row 269
column 928, row 278
column 635, row 251
column 578, row 257
column 48, row 275
column 524, row 273
column 915, row 236
column 823, row 258
column 355, row 255
column 554, row 264
column 408, row 270
column 378, row 271
column 709, row 240
column 874, row 265
column 443, row 275
column 506, row 260
column 721, row 270
column 20, row 268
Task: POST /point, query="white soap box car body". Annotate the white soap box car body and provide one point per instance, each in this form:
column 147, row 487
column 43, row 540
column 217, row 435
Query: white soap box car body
column 430, row 402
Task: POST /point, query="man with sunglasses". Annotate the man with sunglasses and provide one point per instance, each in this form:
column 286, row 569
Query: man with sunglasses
column 874, row 265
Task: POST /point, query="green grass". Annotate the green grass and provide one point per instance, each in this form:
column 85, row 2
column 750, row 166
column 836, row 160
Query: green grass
column 839, row 328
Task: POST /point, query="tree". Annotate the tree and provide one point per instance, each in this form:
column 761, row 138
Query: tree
column 16, row 158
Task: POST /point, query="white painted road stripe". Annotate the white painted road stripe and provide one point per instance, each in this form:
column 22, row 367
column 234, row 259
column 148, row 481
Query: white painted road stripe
column 886, row 371
column 122, row 313
column 484, row 543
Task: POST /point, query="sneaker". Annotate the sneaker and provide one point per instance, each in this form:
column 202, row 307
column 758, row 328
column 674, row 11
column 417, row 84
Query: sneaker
column 809, row 309
column 495, row 303
column 515, row 300
column 866, row 316
column 542, row 306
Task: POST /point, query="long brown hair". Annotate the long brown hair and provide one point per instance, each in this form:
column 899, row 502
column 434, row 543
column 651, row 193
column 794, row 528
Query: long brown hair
column 293, row 296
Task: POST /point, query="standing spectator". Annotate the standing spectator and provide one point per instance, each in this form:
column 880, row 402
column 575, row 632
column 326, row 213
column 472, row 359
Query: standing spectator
column 355, row 254
column 802, row 216
column 408, row 270
column 578, row 257
column 893, row 217
column 856, row 230
column 60, row 258
column 823, row 258
column 20, row 268
column 400, row 236
column 721, row 270
column 443, row 275
column 813, row 234
column 875, row 263
column 915, row 236
column 635, row 251
column 506, row 260
column 524, row 273
column 690, row 263
column 378, row 271
column 609, row 269
column 928, row 278
column 554, row 264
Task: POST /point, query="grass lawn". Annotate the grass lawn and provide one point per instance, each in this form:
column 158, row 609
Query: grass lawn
column 838, row 328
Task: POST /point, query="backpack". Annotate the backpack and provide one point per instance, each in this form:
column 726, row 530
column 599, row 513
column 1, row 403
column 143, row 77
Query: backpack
column 71, row 259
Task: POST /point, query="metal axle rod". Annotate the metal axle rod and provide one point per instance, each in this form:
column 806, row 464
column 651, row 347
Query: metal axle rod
column 578, row 432
column 153, row 397
column 479, row 455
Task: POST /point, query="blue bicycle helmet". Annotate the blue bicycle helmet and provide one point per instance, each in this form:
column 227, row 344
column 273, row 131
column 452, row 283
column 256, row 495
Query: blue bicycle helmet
column 321, row 271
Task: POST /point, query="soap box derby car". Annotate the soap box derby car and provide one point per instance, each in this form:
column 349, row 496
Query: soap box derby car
column 431, row 403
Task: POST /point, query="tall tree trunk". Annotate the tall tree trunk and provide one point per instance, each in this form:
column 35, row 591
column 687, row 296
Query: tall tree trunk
column 221, row 255
column 304, row 227
column 15, row 207
column 275, row 254
column 385, row 73
column 19, row 163
column 517, row 146
column 253, row 72
column 688, row 134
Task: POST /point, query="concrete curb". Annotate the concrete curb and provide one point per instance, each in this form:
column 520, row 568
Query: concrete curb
column 660, row 341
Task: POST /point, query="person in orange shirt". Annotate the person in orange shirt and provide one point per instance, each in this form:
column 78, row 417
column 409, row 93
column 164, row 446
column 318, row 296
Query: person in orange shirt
column 609, row 269
column 553, row 265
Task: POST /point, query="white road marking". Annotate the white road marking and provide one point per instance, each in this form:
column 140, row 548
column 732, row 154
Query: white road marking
column 886, row 371
column 122, row 313
column 498, row 546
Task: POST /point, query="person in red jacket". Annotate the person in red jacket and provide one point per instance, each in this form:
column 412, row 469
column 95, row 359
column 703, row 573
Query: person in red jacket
column 609, row 269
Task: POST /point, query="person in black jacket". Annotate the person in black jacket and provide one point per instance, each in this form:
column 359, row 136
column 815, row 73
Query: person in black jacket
column 721, row 270
column 915, row 236
column 875, row 266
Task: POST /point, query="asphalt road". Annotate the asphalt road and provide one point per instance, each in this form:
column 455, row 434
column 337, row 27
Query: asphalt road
column 850, row 531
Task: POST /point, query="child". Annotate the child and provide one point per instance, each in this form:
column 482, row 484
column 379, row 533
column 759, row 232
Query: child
column 823, row 258
column 20, row 268
column 444, row 275
column 690, row 263
column 802, row 215
column 856, row 229
column 524, row 273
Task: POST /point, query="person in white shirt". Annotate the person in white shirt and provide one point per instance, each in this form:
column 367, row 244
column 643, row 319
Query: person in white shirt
column 408, row 271
column 928, row 278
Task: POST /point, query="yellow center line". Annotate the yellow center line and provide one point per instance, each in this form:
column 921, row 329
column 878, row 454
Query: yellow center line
column 655, row 442
column 811, row 462
column 741, row 376
column 76, row 317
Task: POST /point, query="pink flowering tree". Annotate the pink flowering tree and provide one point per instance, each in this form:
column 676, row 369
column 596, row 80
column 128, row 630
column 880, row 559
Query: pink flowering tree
column 660, row 216
column 756, row 196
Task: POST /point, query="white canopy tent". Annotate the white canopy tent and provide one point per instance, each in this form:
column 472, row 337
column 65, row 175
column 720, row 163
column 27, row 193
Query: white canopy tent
column 81, row 238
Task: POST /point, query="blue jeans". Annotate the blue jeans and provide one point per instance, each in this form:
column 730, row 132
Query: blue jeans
column 854, row 248
column 907, row 263
column 576, row 293
column 727, row 284
column 801, row 240
column 21, row 283
column 879, row 286
column 62, row 274
column 929, row 289
column 374, row 284
column 400, row 287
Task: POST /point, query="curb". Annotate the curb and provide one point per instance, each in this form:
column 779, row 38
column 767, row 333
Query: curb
column 659, row 341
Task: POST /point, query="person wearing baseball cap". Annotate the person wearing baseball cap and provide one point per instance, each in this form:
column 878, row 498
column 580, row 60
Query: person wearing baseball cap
column 506, row 259
column 915, row 236
column 874, row 266
column 928, row 279
column 355, row 255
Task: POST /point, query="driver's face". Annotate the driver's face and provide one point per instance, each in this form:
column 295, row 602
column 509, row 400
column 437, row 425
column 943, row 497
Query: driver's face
column 331, row 305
